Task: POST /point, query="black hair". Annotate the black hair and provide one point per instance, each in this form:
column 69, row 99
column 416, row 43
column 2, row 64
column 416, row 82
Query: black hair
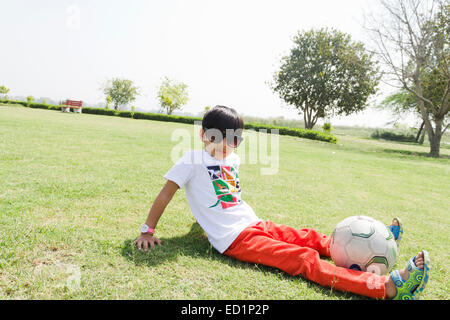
column 222, row 118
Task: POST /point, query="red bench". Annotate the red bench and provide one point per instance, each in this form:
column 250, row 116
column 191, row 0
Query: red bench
column 75, row 105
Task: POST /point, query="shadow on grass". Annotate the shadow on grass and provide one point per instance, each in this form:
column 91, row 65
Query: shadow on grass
column 195, row 244
column 413, row 153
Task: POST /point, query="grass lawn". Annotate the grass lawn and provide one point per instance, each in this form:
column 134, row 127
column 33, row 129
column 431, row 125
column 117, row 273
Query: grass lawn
column 76, row 188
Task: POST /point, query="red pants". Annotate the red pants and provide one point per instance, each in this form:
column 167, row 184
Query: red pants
column 297, row 252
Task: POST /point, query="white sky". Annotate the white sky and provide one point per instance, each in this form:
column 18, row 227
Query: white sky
column 225, row 51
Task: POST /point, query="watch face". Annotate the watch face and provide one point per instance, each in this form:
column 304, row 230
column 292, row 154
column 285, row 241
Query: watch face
column 144, row 228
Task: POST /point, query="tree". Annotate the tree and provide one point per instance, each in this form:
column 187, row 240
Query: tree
column 326, row 74
column 207, row 108
column 30, row 100
column 172, row 95
column 412, row 42
column 121, row 91
column 327, row 127
column 4, row 91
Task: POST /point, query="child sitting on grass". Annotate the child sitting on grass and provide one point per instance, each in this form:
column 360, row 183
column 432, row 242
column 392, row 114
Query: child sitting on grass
column 211, row 181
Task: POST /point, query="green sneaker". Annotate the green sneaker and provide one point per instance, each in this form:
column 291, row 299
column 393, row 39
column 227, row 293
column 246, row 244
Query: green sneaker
column 411, row 288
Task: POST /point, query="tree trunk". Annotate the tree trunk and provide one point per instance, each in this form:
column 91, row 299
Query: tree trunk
column 308, row 119
column 309, row 124
column 435, row 140
column 435, row 146
column 434, row 136
column 420, row 131
column 305, row 117
column 422, row 137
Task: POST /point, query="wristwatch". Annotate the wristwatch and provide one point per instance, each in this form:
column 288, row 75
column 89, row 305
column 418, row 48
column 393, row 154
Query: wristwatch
column 145, row 228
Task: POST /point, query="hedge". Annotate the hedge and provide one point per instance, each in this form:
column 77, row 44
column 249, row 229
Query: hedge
column 393, row 136
column 296, row 132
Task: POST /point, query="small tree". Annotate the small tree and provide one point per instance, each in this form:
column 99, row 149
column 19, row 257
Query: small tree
column 207, row 108
column 326, row 74
column 172, row 95
column 326, row 127
column 121, row 91
column 4, row 91
column 108, row 102
column 30, row 99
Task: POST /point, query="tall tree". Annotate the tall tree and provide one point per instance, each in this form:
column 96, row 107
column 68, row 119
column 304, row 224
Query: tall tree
column 172, row 95
column 121, row 91
column 326, row 74
column 412, row 41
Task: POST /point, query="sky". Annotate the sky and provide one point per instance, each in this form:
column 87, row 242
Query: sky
column 225, row 51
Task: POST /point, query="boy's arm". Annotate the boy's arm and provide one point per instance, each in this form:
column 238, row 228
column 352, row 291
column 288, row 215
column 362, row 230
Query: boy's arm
column 157, row 209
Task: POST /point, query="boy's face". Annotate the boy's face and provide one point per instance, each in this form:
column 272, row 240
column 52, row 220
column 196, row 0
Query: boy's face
column 217, row 150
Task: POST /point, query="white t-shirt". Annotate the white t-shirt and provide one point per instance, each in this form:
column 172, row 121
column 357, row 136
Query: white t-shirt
column 214, row 195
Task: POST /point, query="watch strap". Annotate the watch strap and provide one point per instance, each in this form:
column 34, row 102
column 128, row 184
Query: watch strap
column 147, row 229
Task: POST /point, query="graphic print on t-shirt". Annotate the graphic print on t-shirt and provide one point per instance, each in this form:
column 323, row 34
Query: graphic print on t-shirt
column 225, row 180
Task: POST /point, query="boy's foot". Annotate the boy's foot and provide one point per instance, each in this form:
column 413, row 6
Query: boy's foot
column 397, row 229
column 408, row 283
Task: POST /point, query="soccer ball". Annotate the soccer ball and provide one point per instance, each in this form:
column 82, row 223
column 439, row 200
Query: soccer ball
column 365, row 244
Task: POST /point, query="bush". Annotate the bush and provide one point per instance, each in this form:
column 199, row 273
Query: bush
column 125, row 114
column 165, row 117
column 326, row 127
column 105, row 112
column 44, row 106
column 13, row 102
column 393, row 135
column 296, row 132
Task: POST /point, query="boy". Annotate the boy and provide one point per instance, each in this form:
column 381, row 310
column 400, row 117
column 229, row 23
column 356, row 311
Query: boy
column 211, row 182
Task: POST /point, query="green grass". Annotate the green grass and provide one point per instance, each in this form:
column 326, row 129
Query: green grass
column 76, row 188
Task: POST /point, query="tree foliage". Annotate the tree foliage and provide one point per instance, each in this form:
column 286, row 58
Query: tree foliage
column 4, row 91
column 120, row 91
column 172, row 95
column 326, row 74
column 405, row 102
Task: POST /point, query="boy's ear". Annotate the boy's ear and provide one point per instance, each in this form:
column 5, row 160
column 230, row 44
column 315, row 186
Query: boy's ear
column 202, row 133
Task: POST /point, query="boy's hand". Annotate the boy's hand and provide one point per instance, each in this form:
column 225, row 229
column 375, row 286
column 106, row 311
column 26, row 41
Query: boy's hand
column 157, row 209
column 146, row 239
